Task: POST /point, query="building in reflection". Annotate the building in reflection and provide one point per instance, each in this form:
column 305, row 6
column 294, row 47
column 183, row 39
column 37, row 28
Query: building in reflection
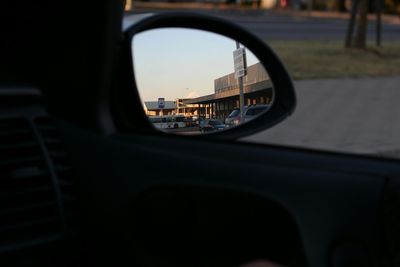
column 175, row 107
column 257, row 89
column 152, row 109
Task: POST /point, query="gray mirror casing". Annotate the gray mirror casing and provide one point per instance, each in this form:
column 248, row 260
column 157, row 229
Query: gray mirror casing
column 127, row 106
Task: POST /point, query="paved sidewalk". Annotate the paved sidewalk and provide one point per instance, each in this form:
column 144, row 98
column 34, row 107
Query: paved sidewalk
column 359, row 116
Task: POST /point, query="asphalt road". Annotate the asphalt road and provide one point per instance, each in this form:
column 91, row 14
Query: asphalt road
column 272, row 26
column 280, row 27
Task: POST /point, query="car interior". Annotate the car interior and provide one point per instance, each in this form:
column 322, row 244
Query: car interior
column 82, row 185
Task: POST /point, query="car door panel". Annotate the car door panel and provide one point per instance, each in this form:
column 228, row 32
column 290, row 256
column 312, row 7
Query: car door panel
column 333, row 200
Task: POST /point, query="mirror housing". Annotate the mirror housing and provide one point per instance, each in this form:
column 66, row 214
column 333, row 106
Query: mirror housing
column 127, row 108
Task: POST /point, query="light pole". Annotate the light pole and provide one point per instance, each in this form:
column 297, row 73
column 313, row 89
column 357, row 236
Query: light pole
column 241, row 95
column 310, row 6
column 378, row 22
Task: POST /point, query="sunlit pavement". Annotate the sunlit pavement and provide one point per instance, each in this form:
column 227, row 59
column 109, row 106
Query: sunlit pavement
column 360, row 116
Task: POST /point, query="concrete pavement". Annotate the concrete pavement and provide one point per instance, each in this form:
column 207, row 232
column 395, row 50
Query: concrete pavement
column 351, row 115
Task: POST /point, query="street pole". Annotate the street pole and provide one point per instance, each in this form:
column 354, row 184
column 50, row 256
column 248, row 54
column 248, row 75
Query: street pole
column 352, row 21
column 241, row 95
column 378, row 22
column 310, row 6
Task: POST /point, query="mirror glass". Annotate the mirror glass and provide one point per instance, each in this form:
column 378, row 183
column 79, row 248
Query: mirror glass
column 196, row 82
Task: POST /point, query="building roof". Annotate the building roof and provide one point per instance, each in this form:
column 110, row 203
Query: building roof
column 256, row 79
column 251, row 88
column 255, row 73
column 153, row 105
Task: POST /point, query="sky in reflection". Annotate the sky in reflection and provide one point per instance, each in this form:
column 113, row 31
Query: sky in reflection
column 181, row 63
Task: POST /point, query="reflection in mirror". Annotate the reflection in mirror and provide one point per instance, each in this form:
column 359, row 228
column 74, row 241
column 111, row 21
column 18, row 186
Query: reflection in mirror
column 192, row 81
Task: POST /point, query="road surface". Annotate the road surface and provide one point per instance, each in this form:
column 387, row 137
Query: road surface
column 277, row 26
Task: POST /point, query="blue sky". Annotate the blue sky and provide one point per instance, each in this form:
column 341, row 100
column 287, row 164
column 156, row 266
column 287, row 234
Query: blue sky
column 177, row 62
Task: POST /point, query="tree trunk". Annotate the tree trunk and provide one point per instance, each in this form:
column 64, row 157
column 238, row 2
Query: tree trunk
column 350, row 27
column 378, row 22
column 362, row 23
column 340, row 5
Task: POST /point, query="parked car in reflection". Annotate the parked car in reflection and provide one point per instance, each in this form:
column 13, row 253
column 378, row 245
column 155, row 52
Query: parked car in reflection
column 250, row 112
column 199, row 120
column 211, row 125
column 168, row 121
column 190, row 122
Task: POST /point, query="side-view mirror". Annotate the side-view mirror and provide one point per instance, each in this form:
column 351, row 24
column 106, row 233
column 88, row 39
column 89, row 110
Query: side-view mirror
column 191, row 74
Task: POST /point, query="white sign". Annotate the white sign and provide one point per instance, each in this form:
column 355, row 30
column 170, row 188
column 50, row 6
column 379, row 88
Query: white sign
column 161, row 103
column 239, row 60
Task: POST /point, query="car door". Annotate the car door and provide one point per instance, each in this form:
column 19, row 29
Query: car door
column 170, row 202
column 145, row 198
